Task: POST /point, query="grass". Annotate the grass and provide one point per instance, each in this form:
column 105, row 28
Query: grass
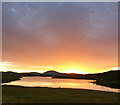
column 17, row 94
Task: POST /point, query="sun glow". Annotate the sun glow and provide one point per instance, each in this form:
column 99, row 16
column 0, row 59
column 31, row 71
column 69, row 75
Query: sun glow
column 73, row 69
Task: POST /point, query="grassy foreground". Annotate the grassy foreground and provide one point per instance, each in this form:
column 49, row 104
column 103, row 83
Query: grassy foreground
column 14, row 94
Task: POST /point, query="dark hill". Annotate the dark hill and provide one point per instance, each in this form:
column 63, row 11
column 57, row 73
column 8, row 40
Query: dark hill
column 51, row 73
column 109, row 79
column 30, row 74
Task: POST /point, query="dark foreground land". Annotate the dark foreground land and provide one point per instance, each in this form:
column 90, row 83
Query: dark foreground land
column 17, row 94
column 14, row 94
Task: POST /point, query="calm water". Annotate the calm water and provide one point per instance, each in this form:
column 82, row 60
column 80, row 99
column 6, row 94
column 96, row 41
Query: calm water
column 60, row 83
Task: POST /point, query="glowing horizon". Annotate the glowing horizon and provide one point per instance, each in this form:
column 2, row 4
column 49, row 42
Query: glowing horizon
column 65, row 37
column 4, row 66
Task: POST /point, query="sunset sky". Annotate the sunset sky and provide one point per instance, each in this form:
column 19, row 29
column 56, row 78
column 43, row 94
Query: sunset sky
column 66, row 37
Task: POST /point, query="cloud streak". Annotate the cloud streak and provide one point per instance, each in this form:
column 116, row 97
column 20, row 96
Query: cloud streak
column 40, row 67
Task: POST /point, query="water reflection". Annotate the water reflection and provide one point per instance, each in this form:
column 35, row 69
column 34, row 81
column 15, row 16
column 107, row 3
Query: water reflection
column 60, row 83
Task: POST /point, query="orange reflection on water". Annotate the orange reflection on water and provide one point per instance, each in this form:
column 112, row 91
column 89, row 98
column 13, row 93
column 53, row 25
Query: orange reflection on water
column 60, row 83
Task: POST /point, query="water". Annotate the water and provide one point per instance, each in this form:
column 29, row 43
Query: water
column 60, row 83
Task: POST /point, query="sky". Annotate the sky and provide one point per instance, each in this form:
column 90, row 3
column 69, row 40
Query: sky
column 60, row 0
column 66, row 37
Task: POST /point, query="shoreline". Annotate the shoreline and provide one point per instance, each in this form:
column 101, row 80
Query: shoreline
column 59, row 88
column 19, row 94
column 97, row 82
column 107, row 90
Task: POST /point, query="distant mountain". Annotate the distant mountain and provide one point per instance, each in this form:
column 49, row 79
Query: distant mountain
column 109, row 78
column 9, row 72
column 31, row 74
column 51, row 73
column 22, row 74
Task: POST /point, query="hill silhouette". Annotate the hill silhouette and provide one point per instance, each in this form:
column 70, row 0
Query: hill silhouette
column 51, row 73
column 110, row 78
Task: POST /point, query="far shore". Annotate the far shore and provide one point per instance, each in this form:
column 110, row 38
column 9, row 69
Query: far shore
column 108, row 79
